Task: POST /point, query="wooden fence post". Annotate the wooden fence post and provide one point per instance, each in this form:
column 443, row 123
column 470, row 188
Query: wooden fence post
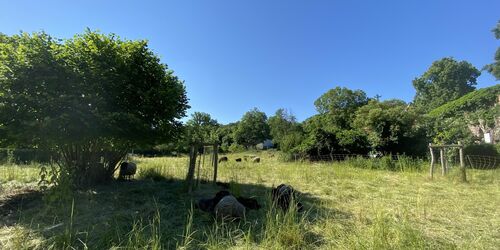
column 216, row 161
column 191, row 169
column 462, row 163
column 441, row 155
column 432, row 161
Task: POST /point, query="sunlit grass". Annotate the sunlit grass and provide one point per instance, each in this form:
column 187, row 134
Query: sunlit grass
column 346, row 207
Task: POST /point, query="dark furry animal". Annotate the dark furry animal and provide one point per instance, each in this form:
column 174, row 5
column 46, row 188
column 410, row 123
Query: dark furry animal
column 208, row 205
column 256, row 160
column 127, row 170
column 249, row 203
column 229, row 208
column 223, row 158
column 283, row 195
column 238, row 159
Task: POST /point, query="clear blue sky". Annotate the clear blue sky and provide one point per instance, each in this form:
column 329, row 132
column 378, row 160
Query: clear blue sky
column 236, row 55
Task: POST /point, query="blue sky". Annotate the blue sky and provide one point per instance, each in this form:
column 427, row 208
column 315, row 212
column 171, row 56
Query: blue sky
column 236, row 55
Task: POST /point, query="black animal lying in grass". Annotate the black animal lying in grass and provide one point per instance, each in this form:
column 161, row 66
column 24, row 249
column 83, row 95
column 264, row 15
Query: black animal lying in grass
column 283, row 196
column 226, row 205
column 127, row 170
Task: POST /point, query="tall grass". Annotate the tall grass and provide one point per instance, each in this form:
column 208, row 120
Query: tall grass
column 348, row 206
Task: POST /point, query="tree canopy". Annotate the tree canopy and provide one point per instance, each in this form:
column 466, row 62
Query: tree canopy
column 389, row 125
column 87, row 97
column 201, row 128
column 446, row 80
column 339, row 105
column 282, row 124
column 494, row 68
column 252, row 128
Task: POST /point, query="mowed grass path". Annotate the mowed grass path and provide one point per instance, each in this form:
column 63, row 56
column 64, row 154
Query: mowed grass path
column 346, row 208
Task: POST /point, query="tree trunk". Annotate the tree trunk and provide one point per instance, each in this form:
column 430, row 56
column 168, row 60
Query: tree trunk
column 88, row 164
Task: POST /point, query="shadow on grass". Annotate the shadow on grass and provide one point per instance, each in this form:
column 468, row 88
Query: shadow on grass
column 106, row 215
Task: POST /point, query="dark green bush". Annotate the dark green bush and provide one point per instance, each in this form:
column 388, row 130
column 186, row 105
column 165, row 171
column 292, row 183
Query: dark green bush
column 482, row 149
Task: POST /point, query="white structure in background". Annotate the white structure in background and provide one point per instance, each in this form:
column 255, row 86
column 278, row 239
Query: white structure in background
column 266, row 144
column 487, row 138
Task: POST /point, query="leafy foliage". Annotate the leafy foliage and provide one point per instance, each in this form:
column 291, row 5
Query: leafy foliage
column 91, row 97
column 451, row 121
column 482, row 149
column 340, row 104
column 446, row 80
column 389, row 125
column 225, row 134
column 483, row 98
column 252, row 129
column 201, row 128
column 494, row 68
column 283, row 128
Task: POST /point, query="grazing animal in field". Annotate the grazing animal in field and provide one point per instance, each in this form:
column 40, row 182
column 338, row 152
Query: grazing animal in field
column 283, row 196
column 256, row 160
column 249, row 203
column 223, row 158
column 225, row 205
column 229, row 208
column 208, row 205
column 238, row 159
column 127, row 170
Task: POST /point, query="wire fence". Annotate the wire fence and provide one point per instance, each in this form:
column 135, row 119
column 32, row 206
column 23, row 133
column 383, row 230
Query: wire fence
column 343, row 157
column 482, row 162
column 471, row 161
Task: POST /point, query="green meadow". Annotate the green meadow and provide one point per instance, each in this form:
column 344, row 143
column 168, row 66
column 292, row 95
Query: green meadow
column 347, row 206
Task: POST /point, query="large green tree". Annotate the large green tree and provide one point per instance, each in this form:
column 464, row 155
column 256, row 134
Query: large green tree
column 281, row 125
column 225, row 134
column 446, row 80
column 91, row 98
column 494, row 68
column 252, row 128
column 201, row 128
column 391, row 127
column 340, row 104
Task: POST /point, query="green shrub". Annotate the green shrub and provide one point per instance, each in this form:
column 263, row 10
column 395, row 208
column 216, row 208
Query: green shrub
column 386, row 163
column 482, row 149
column 236, row 148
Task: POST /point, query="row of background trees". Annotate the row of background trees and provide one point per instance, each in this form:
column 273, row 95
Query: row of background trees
column 350, row 122
column 92, row 98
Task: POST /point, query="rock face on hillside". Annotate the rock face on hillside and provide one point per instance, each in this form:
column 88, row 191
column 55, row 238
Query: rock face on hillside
column 488, row 134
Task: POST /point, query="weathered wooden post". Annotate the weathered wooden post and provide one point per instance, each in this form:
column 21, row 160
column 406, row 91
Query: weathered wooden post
column 216, row 161
column 191, row 168
column 432, row 161
column 462, row 163
column 445, row 160
column 441, row 155
column 201, row 162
